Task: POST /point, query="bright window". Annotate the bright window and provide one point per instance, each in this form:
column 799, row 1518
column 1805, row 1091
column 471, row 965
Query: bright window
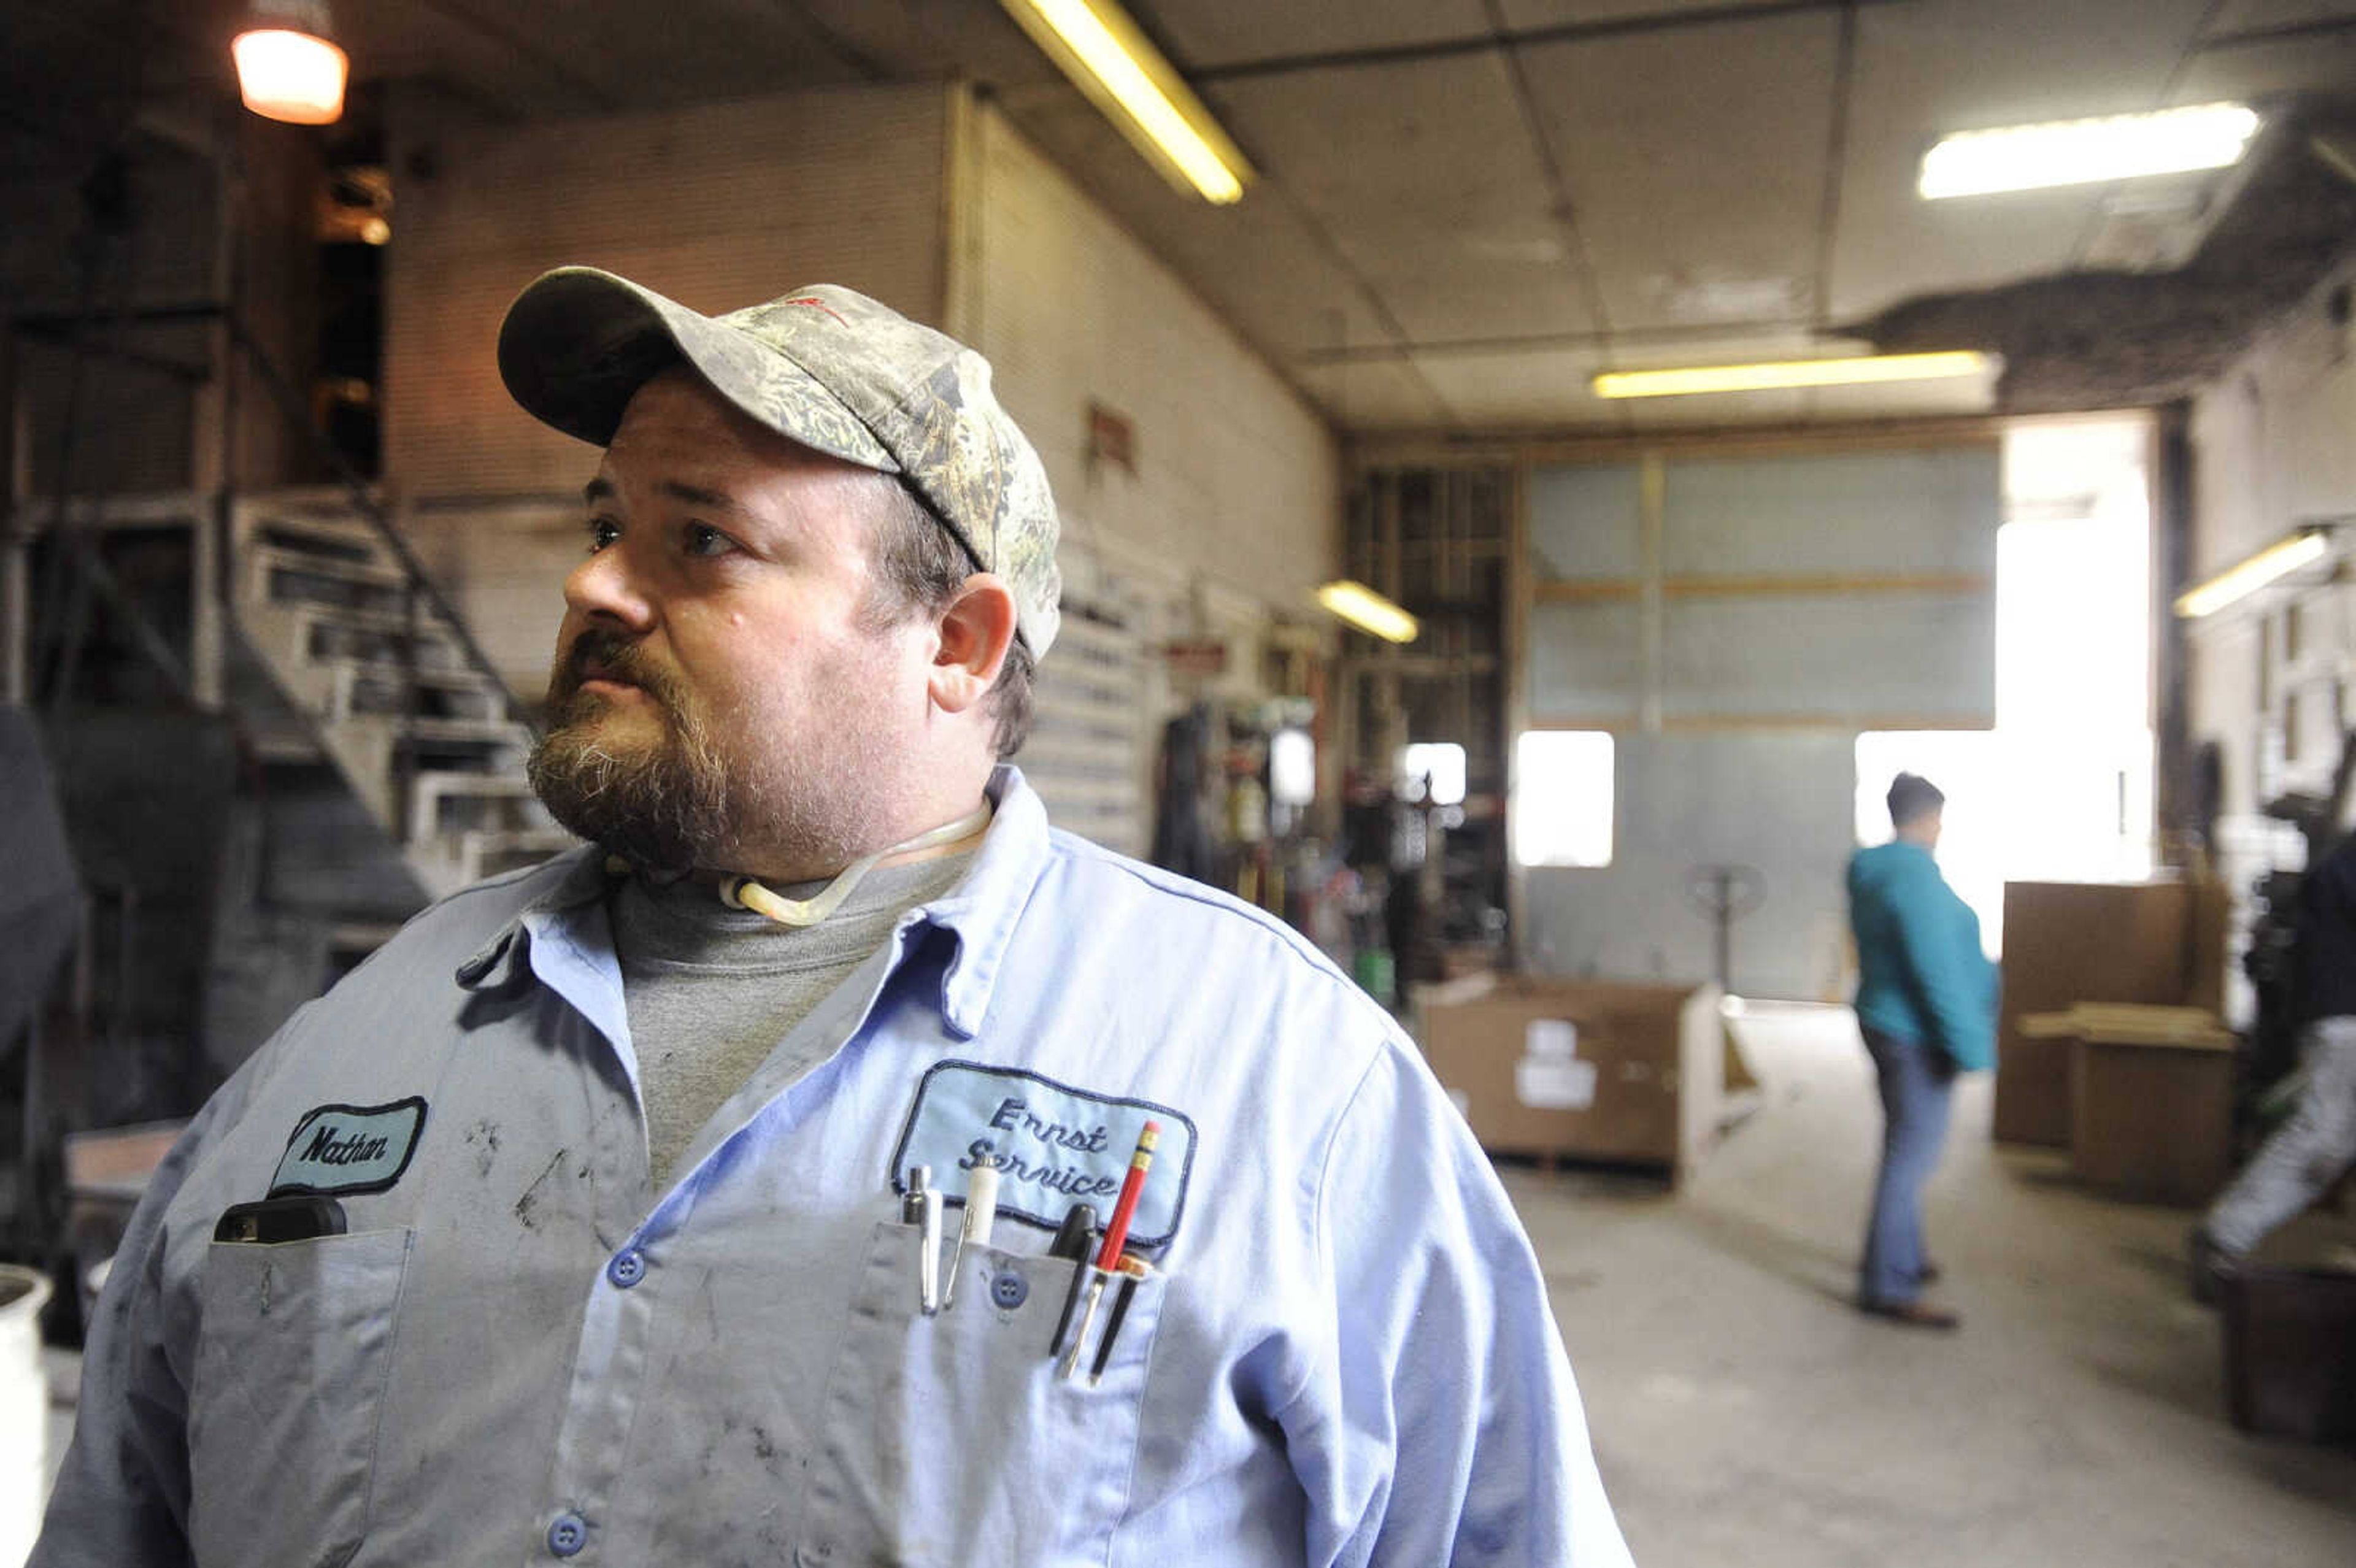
column 1440, row 762
column 1562, row 797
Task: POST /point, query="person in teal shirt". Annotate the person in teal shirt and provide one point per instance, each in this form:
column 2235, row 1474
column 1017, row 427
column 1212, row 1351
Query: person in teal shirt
column 1926, row 1003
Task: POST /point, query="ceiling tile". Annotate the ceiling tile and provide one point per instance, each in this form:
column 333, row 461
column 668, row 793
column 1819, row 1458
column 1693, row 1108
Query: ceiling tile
column 2254, row 15
column 1714, row 410
column 1695, row 163
column 531, row 58
column 1373, row 394
column 1257, row 262
column 1542, row 385
column 1523, row 15
column 2253, row 72
column 1519, row 387
column 1425, row 178
column 1923, row 70
column 1204, row 33
column 974, row 40
column 1705, row 410
column 1905, row 399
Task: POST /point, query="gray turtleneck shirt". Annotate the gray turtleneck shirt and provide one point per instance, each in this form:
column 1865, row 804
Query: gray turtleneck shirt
column 712, row 992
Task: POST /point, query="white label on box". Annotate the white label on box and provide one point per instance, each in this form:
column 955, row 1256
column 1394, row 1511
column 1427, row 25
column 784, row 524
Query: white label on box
column 1550, row 1039
column 1554, row 1085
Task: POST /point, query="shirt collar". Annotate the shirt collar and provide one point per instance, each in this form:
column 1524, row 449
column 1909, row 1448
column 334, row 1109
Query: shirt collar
column 582, row 877
column 979, row 913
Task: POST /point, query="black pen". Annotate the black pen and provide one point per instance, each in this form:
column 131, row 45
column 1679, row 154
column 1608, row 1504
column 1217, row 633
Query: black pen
column 1132, row 1269
column 1072, row 1240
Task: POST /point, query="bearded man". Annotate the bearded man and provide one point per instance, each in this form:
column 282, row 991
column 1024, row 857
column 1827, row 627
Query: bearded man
column 600, row 1215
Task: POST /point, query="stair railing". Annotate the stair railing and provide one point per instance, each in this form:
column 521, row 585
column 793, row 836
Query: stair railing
column 420, row 586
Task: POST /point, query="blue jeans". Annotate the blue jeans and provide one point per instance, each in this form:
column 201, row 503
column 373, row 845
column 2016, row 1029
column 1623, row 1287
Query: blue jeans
column 1917, row 1081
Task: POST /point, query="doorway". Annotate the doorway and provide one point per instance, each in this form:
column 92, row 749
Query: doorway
column 2061, row 790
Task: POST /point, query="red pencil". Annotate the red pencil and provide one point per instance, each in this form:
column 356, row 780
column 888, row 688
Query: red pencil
column 1117, row 1229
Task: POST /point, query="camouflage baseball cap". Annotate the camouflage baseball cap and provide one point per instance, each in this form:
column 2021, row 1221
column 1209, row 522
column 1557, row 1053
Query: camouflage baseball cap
column 823, row 366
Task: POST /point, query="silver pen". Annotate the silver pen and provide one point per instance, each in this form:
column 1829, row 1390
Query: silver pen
column 929, row 1262
column 911, row 1200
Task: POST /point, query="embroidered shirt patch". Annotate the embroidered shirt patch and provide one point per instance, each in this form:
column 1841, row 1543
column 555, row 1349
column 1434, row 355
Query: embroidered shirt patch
column 350, row 1149
column 1053, row 1146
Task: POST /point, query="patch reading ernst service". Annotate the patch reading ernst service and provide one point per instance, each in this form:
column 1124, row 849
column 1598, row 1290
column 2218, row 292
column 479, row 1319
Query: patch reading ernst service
column 1053, row 1146
column 350, row 1149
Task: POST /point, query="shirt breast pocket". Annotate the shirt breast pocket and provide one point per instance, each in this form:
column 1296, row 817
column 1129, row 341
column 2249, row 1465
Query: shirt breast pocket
column 950, row 1439
column 291, row 1369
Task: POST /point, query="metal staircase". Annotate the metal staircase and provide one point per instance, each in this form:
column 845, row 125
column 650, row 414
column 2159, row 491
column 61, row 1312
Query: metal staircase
column 388, row 684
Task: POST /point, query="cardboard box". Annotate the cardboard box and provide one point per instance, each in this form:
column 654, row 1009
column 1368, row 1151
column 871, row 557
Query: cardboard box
column 2151, row 1100
column 2290, row 1333
column 1587, row 1070
column 2158, row 943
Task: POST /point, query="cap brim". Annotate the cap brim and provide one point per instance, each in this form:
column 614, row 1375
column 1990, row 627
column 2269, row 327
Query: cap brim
column 579, row 342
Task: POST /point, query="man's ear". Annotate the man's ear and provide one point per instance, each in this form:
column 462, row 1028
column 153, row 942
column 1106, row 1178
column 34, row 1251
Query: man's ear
column 976, row 632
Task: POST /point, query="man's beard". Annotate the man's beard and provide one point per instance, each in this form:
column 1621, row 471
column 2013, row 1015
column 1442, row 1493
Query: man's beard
column 663, row 807
column 692, row 798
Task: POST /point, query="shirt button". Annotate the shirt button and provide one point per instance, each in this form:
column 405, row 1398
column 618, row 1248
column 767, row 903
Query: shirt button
column 629, row 1267
column 568, row 1534
column 1009, row 1289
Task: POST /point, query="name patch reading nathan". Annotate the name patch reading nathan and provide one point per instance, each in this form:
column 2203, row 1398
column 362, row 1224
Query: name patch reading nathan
column 1053, row 1146
column 350, row 1149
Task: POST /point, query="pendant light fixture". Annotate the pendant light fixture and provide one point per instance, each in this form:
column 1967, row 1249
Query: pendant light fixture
column 288, row 66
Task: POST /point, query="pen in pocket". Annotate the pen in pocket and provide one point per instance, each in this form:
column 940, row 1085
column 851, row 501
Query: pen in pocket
column 981, row 1219
column 1072, row 1241
column 1132, row 1269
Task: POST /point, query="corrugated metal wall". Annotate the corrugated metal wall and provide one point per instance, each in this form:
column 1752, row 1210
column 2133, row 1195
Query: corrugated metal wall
column 1737, row 618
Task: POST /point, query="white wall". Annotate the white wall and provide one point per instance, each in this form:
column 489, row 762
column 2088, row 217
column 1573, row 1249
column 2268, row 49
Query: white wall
column 2274, row 446
column 1237, row 478
column 719, row 206
column 910, row 194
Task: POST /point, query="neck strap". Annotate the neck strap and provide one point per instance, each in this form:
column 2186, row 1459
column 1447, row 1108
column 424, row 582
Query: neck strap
column 744, row 893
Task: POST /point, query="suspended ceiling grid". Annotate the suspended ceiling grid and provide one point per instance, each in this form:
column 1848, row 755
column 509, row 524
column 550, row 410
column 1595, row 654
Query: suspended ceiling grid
column 1466, row 207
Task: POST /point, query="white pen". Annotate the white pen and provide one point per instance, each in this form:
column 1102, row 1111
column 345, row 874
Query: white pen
column 980, row 1217
column 1070, row 1364
column 928, row 1264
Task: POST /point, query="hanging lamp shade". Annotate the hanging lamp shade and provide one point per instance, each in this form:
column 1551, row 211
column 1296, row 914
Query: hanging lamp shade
column 287, row 68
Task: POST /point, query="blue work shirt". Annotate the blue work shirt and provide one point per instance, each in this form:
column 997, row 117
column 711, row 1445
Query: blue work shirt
column 521, row 1352
column 1921, row 974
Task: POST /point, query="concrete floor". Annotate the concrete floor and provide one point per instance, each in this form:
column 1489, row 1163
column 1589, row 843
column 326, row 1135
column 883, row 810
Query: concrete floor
column 1743, row 1415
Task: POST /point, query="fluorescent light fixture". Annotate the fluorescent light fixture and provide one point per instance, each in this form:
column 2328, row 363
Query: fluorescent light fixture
column 2238, row 582
column 1368, row 611
column 286, row 66
column 1095, row 44
column 2076, row 152
column 1766, row 376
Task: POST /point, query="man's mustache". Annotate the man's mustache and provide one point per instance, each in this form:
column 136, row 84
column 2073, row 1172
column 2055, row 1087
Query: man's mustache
column 600, row 654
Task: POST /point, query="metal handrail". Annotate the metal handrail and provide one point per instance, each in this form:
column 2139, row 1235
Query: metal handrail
column 356, row 488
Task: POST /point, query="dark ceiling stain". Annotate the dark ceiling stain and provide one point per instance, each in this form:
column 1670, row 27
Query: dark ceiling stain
column 2114, row 339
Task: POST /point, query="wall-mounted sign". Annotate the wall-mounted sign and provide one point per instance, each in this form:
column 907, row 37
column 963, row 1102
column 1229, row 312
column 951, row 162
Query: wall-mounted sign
column 1196, row 655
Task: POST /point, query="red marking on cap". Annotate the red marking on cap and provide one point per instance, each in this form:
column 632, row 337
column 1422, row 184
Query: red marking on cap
column 820, row 304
